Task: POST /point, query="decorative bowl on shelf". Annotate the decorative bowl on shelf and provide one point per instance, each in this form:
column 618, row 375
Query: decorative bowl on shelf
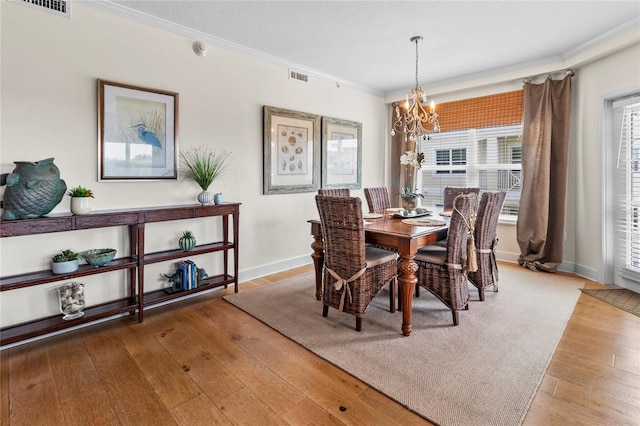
column 98, row 257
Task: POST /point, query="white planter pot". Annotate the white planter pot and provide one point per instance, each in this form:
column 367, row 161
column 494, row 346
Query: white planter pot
column 80, row 205
column 205, row 198
column 64, row 267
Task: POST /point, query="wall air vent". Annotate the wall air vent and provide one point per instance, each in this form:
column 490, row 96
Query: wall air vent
column 298, row 76
column 57, row 7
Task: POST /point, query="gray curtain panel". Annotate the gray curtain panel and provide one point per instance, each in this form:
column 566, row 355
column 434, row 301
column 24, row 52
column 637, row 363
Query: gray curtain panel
column 541, row 217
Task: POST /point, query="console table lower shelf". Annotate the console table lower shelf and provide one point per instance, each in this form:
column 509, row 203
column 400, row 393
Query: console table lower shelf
column 161, row 296
column 47, row 325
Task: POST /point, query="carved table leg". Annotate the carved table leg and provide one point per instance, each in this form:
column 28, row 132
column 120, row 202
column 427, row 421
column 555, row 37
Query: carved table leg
column 407, row 281
column 318, row 262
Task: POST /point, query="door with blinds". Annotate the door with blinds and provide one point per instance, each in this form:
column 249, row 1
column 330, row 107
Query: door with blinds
column 626, row 193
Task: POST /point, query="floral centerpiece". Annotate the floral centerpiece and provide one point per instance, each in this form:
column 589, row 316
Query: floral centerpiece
column 412, row 161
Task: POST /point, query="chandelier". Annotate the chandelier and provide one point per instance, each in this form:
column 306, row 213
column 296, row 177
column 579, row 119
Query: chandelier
column 413, row 119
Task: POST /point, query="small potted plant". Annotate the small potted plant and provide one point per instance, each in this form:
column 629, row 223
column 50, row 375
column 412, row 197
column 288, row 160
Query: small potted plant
column 187, row 241
column 80, row 200
column 203, row 165
column 410, row 198
column 64, row 262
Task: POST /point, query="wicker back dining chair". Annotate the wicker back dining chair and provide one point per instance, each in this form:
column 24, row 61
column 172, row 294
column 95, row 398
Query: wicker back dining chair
column 442, row 271
column 335, row 192
column 451, row 192
column 353, row 273
column 377, row 199
column 485, row 240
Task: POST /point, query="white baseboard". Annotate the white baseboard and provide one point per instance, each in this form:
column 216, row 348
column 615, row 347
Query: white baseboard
column 505, row 256
column 586, row 272
column 568, row 267
column 264, row 270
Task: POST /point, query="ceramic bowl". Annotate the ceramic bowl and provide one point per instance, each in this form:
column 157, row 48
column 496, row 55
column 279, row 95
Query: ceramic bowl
column 98, row 257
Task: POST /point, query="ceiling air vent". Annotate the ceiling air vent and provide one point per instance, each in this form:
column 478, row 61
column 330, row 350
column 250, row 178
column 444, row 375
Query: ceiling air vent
column 57, row 7
column 298, row 76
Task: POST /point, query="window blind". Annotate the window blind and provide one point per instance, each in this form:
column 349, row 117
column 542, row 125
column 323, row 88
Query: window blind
column 501, row 109
column 480, row 145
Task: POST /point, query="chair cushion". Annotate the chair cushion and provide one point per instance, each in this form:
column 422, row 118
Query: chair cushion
column 434, row 247
column 376, row 256
column 436, row 255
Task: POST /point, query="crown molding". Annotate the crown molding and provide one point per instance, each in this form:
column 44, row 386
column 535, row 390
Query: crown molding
column 143, row 18
column 616, row 39
column 619, row 38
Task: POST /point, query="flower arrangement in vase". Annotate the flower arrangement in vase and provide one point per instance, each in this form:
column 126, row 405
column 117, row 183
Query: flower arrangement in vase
column 412, row 161
column 203, row 165
column 80, row 200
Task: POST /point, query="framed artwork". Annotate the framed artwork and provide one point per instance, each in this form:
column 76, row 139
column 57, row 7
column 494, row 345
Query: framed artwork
column 137, row 133
column 291, row 151
column 341, row 153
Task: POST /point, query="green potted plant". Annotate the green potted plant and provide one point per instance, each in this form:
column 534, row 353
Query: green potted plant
column 410, row 198
column 187, row 241
column 203, row 165
column 80, row 200
column 64, row 262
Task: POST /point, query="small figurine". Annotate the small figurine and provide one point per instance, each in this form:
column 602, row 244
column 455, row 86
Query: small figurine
column 202, row 274
column 176, row 280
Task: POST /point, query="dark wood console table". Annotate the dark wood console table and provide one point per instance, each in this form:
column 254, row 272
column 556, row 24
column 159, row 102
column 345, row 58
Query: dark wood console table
column 137, row 300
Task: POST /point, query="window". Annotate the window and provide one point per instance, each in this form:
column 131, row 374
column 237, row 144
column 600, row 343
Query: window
column 451, row 157
column 488, row 158
column 480, row 145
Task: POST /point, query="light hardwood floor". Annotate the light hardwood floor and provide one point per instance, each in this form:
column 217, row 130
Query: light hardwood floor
column 228, row 368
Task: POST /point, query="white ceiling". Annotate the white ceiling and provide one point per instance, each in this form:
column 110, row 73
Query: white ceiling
column 366, row 43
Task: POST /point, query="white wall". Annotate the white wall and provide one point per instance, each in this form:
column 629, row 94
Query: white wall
column 49, row 109
column 617, row 73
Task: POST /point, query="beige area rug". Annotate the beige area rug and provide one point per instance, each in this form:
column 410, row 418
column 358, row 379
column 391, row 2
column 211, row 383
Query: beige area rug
column 624, row 299
column 485, row 371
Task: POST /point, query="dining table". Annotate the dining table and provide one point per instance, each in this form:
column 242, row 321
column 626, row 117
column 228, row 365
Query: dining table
column 386, row 229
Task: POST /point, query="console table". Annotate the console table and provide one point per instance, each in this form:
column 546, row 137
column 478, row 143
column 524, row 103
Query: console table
column 137, row 300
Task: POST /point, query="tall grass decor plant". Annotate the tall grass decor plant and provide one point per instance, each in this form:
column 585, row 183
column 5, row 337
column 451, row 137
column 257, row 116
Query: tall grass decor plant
column 204, row 165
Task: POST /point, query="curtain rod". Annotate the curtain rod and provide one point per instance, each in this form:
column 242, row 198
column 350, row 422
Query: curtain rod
column 567, row 72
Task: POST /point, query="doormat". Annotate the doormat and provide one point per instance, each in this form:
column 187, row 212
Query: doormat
column 624, row 299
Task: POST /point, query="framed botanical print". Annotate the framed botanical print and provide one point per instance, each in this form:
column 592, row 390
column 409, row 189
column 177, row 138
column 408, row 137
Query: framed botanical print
column 137, row 132
column 291, row 151
column 341, row 153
